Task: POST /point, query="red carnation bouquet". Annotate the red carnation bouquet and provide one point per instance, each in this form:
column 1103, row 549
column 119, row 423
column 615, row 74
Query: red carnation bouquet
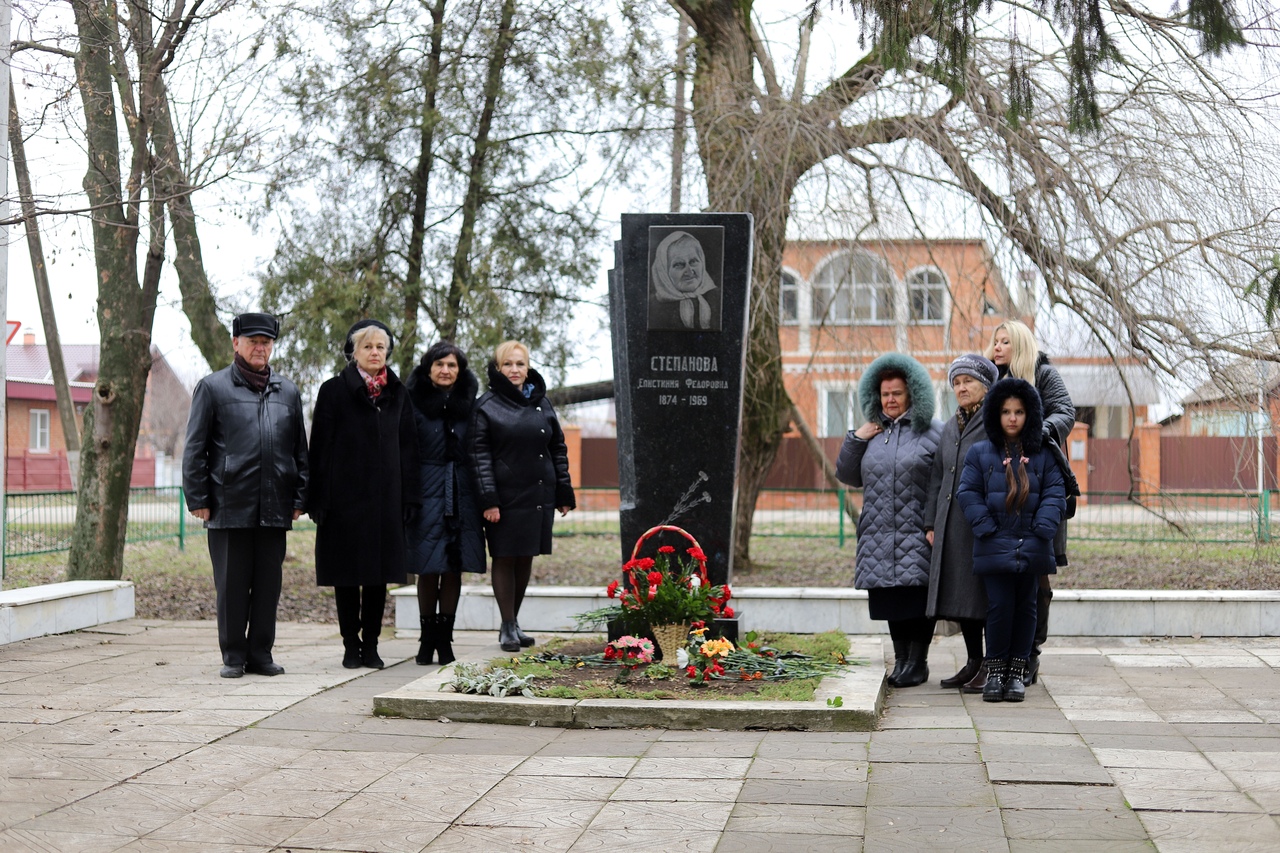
column 671, row 588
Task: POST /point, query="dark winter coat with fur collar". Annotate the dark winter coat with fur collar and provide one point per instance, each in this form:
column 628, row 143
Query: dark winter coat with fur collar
column 447, row 535
column 1007, row 542
column 522, row 465
column 893, row 471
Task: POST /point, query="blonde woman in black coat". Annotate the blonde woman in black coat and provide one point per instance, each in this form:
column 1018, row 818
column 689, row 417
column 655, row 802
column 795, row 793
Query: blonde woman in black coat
column 364, row 487
column 522, row 471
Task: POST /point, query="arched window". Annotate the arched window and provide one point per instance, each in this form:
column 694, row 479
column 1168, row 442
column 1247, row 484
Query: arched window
column 789, row 299
column 927, row 290
column 853, row 288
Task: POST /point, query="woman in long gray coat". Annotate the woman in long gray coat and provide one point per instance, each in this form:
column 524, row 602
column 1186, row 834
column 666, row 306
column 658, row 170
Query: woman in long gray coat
column 954, row 592
column 890, row 457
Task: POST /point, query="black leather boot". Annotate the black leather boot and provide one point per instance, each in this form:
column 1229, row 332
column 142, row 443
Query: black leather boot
column 966, row 673
column 444, row 638
column 1044, row 597
column 508, row 641
column 1015, row 690
column 371, row 606
column 525, row 640
column 348, row 625
column 900, row 650
column 978, row 682
column 993, row 691
column 426, row 645
column 916, row 670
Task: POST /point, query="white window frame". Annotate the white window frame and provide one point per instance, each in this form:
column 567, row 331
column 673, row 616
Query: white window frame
column 794, row 287
column 38, row 436
column 848, row 294
column 914, row 284
column 850, row 390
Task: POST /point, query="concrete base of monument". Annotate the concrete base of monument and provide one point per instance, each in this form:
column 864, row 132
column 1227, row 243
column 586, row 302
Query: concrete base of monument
column 850, row 702
column 804, row 610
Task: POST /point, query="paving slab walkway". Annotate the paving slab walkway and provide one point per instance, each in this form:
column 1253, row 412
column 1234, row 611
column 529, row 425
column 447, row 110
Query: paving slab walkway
column 124, row 738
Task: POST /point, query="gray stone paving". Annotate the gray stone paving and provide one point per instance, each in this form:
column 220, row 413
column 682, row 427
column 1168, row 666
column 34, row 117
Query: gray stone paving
column 124, row 738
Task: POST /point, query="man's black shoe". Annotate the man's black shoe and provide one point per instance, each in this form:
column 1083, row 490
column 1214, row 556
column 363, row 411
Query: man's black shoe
column 232, row 670
column 264, row 668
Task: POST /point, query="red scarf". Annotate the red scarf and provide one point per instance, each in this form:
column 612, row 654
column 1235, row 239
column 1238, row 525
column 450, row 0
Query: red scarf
column 374, row 384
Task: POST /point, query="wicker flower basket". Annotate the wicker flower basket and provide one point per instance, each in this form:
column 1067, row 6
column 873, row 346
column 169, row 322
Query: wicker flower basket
column 669, row 638
column 673, row 636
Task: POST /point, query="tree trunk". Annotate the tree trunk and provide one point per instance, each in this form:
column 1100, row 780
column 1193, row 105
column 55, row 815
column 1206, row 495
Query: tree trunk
column 211, row 337
column 461, row 282
column 111, row 421
column 39, row 272
column 419, row 188
column 745, row 175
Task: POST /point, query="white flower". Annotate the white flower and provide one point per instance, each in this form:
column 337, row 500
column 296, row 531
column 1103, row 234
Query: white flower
column 682, row 658
column 694, row 582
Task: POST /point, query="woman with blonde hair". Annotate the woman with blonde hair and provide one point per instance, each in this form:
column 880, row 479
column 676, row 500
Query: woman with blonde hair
column 1013, row 349
column 522, row 475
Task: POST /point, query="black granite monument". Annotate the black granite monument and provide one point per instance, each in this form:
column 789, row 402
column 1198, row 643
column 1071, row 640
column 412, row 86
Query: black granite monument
column 679, row 295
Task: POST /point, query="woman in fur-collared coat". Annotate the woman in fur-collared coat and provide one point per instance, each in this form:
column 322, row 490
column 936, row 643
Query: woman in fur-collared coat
column 447, row 538
column 890, row 458
column 522, row 472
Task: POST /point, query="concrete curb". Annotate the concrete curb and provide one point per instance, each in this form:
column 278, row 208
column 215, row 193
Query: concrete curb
column 803, row 610
column 860, row 690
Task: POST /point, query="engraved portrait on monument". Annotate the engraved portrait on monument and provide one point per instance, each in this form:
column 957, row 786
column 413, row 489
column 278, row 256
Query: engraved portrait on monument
column 685, row 264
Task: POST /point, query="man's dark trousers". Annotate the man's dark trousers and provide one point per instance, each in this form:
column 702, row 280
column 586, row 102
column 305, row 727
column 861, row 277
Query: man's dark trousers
column 246, row 574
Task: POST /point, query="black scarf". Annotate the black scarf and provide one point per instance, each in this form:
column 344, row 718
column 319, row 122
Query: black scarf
column 254, row 378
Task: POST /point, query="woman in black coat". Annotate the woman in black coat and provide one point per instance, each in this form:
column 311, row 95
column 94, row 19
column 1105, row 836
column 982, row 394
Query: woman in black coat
column 446, row 538
column 364, row 487
column 1013, row 349
column 522, row 470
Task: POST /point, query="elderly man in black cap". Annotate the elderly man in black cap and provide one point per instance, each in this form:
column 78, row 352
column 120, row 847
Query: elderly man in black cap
column 245, row 476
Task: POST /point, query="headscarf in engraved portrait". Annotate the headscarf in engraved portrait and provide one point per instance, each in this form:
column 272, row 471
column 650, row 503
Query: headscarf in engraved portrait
column 684, row 265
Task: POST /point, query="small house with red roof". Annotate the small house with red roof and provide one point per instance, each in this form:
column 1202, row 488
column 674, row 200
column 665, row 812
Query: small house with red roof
column 36, row 447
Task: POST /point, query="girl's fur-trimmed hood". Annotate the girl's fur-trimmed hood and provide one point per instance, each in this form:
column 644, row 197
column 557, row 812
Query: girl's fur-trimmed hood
column 919, row 386
column 1032, row 430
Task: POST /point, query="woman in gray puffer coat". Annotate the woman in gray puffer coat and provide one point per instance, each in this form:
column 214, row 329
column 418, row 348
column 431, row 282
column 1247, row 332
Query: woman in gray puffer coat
column 890, row 458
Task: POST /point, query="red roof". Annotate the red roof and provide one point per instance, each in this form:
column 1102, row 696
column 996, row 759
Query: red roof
column 30, row 362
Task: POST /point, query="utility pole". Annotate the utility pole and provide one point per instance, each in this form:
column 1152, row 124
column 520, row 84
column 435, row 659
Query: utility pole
column 6, row 14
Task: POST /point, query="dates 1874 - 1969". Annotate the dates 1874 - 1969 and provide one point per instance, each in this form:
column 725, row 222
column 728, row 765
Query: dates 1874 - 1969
column 681, row 399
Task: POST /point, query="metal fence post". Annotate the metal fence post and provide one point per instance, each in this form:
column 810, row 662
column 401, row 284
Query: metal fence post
column 840, row 509
column 182, row 519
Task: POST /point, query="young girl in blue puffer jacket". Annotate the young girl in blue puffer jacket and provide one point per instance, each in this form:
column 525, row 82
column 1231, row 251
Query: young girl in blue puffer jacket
column 1014, row 496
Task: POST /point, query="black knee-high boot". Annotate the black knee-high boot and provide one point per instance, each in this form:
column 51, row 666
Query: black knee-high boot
column 427, row 644
column 372, row 601
column 347, row 600
column 444, row 638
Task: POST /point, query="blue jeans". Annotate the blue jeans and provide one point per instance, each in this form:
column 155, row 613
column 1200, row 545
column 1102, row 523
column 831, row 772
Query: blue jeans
column 1011, row 614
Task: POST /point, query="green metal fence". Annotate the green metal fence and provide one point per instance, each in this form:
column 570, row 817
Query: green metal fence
column 795, row 513
column 41, row 522
column 1173, row 517
column 1101, row 516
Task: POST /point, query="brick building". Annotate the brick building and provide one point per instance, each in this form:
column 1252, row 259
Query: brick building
column 36, row 447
